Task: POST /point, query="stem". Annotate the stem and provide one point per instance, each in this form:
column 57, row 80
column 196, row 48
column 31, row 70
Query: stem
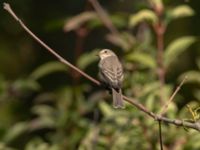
column 160, row 135
column 160, row 31
column 81, row 34
column 160, row 46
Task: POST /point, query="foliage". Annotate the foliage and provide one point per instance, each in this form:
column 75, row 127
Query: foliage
column 44, row 105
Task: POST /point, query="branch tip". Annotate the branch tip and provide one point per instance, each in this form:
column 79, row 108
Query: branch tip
column 6, row 6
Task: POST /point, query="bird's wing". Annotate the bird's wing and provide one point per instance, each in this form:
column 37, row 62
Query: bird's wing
column 112, row 70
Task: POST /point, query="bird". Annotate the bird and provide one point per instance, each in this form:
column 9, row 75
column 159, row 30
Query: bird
column 111, row 75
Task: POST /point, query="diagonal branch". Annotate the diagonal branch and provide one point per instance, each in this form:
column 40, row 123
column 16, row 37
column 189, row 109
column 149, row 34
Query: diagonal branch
column 132, row 101
column 164, row 108
column 61, row 59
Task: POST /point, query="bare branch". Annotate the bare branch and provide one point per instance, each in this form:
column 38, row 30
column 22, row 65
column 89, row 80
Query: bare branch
column 177, row 122
column 132, row 101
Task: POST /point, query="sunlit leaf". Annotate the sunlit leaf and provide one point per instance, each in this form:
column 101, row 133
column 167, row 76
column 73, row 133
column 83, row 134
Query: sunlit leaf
column 42, row 123
column 48, row 68
column 194, row 112
column 118, row 20
column 38, row 144
column 42, row 110
column 193, row 142
column 120, row 141
column 176, row 47
column 172, row 110
column 150, row 88
column 46, row 117
column 157, row 3
column 192, row 76
column 78, row 20
column 125, row 41
column 106, row 109
column 150, row 102
column 87, row 142
column 25, row 84
column 86, row 59
column 142, row 58
column 143, row 15
column 181, row 11
column 15, row 131
column 184, row 112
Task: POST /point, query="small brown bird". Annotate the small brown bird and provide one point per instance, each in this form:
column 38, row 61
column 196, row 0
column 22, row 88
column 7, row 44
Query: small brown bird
column 111, row 74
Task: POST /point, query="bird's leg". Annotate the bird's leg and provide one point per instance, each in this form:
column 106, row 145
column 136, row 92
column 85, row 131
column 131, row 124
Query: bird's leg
column 107, row 87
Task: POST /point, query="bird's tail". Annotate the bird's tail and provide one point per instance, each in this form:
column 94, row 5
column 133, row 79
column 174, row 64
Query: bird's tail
column 117, row 98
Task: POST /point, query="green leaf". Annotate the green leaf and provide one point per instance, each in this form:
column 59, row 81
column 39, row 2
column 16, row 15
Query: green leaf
column 124, row 41
column 87, row 141
column 42, row 122
column 75, row 22
column 193, row 143
column 150, row 88
column 143, row 15
column 142, row 58
column 25, row 85
column 39, row 144
column 175, row 48
column 150, row 101
column 47, row 69
column 118, row 20
column 192, row 76
column 46, row 117
column 16, row 131
column 106, row 109
column 43, row 110
column 157, row 3
column 86, row 59
column 181, row 11
column 54, row 24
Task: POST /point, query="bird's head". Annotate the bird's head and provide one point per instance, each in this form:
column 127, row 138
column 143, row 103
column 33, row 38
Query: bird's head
column 106, row 53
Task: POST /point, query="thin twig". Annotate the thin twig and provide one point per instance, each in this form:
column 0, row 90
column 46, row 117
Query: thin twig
column 159, row 28
column 132, row 101
column 164, row 108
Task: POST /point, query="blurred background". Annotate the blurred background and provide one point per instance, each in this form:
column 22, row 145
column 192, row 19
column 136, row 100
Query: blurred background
column 45, row 105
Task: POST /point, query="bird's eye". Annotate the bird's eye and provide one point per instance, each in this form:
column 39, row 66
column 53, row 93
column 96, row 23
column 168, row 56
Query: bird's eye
column 105, row 51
